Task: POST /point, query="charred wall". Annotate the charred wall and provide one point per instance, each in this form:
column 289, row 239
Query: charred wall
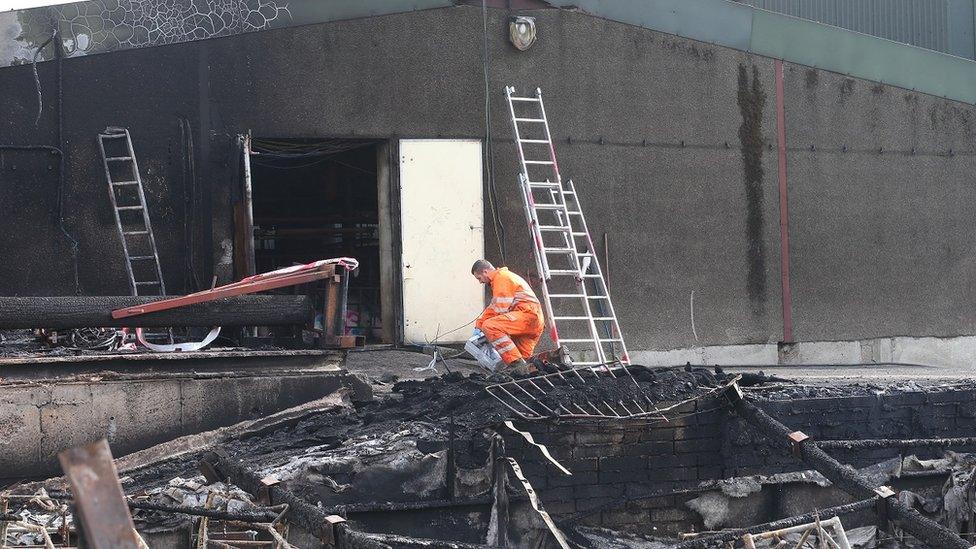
column 899, row 416
column 632, row 477
column 670, row 142
column 639, row 477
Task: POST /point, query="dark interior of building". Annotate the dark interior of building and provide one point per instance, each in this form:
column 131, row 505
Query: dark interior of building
column 316, row 199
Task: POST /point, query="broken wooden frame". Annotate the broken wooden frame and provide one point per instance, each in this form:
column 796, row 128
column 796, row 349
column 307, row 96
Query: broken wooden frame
column 835, row 538
column 11, row 523
column 847, row 479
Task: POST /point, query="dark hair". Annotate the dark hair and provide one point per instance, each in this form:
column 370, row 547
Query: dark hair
column 481, row 265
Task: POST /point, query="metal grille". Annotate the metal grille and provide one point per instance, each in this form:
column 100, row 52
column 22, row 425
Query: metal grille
column 573, row 394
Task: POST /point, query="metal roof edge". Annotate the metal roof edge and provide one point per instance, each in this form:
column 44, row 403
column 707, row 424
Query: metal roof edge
column 744, row 27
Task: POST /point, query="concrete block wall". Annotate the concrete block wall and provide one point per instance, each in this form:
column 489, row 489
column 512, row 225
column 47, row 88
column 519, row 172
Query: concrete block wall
column 618, row 462
column 38, row 420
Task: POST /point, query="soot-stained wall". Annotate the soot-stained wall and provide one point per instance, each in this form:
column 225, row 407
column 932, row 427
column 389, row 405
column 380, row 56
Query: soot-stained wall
column 638, row 477
column 671, row 144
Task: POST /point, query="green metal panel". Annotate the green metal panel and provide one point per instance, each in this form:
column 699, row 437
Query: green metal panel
column 863, row 56
column 724, row 23
column 797, row 40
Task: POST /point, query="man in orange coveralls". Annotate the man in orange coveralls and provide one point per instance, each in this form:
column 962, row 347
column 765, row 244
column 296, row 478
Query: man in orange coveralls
column 513, row 321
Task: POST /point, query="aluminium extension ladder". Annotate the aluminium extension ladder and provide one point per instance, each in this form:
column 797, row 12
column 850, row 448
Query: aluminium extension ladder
column 576, row 298
column 131, row 213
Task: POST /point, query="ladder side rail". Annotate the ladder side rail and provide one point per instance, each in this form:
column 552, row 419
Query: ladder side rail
column 532, row 219
column 595, row 262
column 529, row 200
column 118, row 218
column 145, row 213
column 539, row 253
column 552, row 148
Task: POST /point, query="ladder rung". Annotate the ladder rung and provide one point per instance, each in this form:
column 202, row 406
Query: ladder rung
column 593, row 276
column 530, row 120
column 579, row 234
column 129, row 208
column 604, row 318
column 598, row 297
column 544, row 185
column 125, row 182
column 571, row 318
column 153, row 283
column 536, row 99
column 558, row 250
column 567, row 295
column 134, row 232
column 590, row 340
column 563, row 272
column 546, row 141
column 141, row 257
column 117, row 158
column 554, row 228
column 549, row 206
column 546, row 162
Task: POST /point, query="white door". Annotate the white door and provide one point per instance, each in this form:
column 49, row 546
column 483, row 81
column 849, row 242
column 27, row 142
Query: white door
column 441, row 222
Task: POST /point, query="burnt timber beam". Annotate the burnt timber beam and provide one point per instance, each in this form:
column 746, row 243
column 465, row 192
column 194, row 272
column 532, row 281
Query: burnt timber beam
column 896, row 443
column 846, row 478
column 65, row 312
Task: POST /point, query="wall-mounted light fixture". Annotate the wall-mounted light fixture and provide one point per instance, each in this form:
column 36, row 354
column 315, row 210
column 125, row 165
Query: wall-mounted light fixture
column 521, row 31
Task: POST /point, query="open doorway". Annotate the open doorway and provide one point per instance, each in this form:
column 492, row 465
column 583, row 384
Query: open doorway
column 320, row 198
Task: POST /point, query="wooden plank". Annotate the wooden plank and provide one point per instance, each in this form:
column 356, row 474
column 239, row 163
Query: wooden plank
column 99, row 502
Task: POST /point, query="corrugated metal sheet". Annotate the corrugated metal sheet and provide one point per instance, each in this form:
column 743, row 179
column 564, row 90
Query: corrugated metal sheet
column 922, row 23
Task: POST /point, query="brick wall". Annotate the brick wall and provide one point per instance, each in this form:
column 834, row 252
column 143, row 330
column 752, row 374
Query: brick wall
column 621, row 469
column 908, row 415
column 611, row 462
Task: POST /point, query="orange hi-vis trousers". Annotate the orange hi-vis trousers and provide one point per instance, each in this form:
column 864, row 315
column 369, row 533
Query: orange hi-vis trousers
column 513, row 322
column 514, row 334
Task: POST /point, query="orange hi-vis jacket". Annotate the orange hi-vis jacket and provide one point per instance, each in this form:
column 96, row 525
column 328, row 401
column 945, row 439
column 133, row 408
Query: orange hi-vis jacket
column 513, row 322
column 509, row 292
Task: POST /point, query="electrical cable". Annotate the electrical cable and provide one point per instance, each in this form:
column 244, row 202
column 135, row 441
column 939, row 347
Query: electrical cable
column 59, row 55
column 489, row 157
column 37, row 79
column 255, row 160
column 439, row 336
